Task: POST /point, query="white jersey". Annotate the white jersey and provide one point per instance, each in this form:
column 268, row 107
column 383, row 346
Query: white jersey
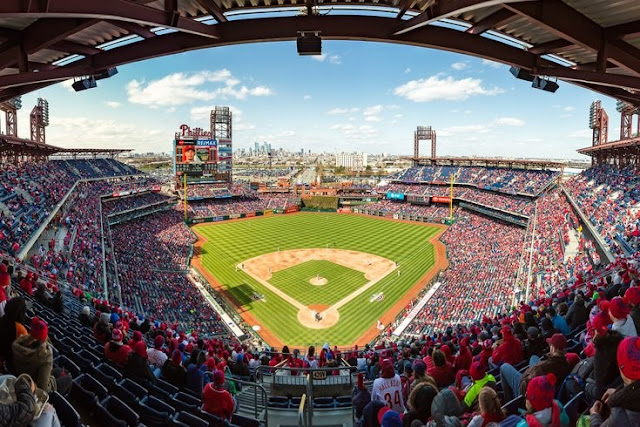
column 389, row 391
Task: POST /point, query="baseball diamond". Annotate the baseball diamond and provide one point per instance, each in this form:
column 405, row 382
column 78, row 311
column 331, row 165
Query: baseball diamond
column 280, row 257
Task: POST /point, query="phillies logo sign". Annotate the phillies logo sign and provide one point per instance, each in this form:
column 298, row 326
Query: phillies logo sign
column 187, row 131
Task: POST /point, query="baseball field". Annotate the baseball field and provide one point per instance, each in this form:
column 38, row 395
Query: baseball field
column 310, row 278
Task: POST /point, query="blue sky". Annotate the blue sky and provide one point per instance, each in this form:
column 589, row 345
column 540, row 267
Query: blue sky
column 359, row 96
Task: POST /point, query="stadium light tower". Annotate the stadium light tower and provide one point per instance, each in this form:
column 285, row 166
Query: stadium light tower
column 423, row 133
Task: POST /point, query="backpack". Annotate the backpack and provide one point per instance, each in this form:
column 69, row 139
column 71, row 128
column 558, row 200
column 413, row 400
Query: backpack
column 576, row 381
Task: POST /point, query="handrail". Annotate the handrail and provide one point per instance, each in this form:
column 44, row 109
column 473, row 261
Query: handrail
column 255, row 386
column 302, row 422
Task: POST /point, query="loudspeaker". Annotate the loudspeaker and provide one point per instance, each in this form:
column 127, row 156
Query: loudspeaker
column 84, row 84
column 309, row 45
column 544, row 84
column 521, row 74
column 105, row 74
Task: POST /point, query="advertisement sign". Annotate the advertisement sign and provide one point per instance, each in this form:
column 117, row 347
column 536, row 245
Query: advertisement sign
column 234, row 216
column 395, row 196
column 440, row 199
column 250, row 214
column 291, row 209
column 268, row 212
column 217, row 218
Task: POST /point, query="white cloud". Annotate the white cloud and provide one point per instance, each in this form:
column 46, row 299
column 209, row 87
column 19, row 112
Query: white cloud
column 441, row 87
column 306, row 97
column 184, row 88
column 509, row 121
column 398, row 116
column 109, row 133
column 339, row 110
column 372, row 119
column 407, row 70
column 373, row 110
column 459, row 65
column 581, row 134
column 332, row 58
column 113, row 104
column 200, row 116
column 568, row 109
column 492, row 64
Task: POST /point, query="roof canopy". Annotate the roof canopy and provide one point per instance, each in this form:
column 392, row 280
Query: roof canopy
column 592, row 43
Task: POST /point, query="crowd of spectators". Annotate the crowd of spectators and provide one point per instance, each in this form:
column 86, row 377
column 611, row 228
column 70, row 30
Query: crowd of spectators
column 609, row 197
column 498, row 179
column 125, row 203
column 390, row 207
column 220, row 207
column 152, row 255
column 506, row 202
column 483, row 258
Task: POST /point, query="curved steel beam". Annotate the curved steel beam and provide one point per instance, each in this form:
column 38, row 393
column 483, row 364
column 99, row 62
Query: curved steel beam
column 119, row 10
column 341, row 27
column 445, row 9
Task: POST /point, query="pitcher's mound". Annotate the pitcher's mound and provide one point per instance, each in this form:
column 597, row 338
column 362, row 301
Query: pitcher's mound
column 318, row 281
column 327, row 316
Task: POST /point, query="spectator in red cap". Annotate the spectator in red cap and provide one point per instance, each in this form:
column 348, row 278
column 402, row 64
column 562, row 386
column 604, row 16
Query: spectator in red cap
column 623, row 402
column 173, row 371
column 26, row 284
column 632, row 298
column 216, row 400
column 388, row 388
column 32, row 355
column 509, row 351
column 115, row 350
column 515, row 383
column 622, row 321
column 542, row 409
column 480, row 379
column 157, row 357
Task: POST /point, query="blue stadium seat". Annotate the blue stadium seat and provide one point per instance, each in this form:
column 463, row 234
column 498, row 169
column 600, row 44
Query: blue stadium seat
column 243, row 421
column 106, row 375
column 343, row 401
column 154, row 412
column 576, row 406
column 67, row 364
column 214, row 421
column 87, row 391
column 113, row 411
column 186, row 419
column 278, row 402
column 184, row 402
column 134, row 388
column 323, row 402
column 67, row 415
column 85, row 360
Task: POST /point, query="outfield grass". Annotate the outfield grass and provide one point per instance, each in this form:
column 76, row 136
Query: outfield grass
column 341, row 281
column 231, row 243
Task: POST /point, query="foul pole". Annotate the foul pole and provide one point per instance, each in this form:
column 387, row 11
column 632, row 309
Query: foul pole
column 451, row 200
column 184, row 186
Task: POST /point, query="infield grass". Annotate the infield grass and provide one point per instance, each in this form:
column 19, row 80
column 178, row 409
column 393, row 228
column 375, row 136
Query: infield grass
column 341, row 281
column 231, row 243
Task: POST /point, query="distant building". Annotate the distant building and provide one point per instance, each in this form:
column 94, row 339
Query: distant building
column 353, row 161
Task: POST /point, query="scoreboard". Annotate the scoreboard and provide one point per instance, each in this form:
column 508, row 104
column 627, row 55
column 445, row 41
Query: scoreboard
column 195, row 156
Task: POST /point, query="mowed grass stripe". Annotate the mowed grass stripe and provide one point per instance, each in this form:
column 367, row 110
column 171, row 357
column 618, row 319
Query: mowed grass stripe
column 231, row 243
column 294, row 281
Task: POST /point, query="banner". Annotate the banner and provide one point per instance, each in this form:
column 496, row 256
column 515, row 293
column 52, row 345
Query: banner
column 268, row 212
column 250, row 214
column 234, row 216
column 395, row 196
column 440, row 199
column 346, row 210
column 291, row 209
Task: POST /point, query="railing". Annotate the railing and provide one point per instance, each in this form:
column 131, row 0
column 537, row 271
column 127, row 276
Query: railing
column 257, row 389
column 302, row 413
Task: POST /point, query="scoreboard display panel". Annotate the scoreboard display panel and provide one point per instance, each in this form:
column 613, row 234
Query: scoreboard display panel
column 194, row 156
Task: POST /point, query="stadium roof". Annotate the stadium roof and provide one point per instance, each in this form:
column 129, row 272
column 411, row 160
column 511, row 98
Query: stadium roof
column 592, row 43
